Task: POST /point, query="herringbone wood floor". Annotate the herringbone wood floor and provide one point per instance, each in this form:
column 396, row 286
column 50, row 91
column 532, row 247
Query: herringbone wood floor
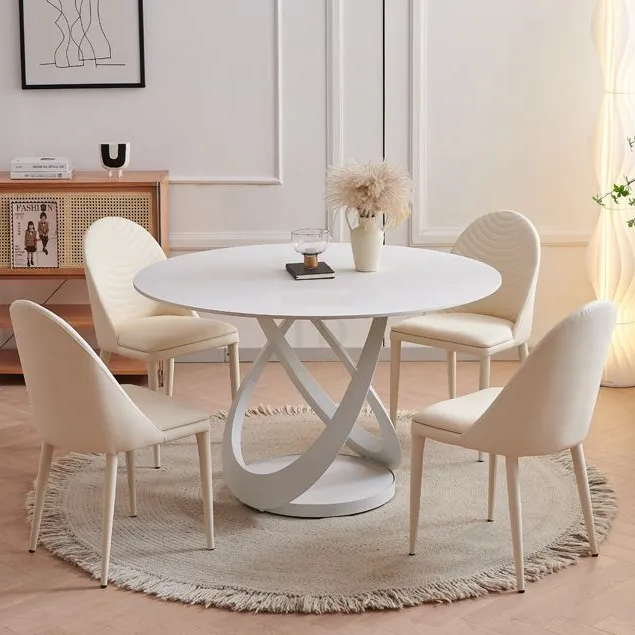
column 41, row 594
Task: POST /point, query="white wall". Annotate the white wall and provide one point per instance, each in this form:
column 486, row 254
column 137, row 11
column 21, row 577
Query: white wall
column 505, row 99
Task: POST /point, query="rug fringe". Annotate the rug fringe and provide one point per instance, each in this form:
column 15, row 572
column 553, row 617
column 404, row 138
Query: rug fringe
column 564, row 551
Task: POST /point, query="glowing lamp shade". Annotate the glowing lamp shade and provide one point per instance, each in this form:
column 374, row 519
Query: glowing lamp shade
column 611, row 254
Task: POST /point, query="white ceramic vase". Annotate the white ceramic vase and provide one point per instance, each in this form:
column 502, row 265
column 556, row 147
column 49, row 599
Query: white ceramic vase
column 367, row 240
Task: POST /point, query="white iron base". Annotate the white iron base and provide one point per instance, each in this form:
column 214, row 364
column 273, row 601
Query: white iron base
column 350, row 485
column 320, row 482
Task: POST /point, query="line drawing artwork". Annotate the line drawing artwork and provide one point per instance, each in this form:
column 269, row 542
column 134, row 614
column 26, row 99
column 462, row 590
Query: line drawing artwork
column 83, row 36
column 81, row 44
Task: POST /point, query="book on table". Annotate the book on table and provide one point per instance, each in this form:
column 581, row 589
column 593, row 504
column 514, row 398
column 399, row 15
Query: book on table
column 41, row 168
column 35, row 164
column 300, row 272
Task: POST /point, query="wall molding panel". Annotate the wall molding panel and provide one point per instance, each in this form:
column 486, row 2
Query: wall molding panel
column 417, row 122
column 334, row 101
column 200, row 241
column 276, row 178
column 552, row 237
column 421, row 235
column 325, row 354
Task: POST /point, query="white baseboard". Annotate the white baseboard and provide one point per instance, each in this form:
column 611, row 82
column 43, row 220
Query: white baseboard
column 325, row 354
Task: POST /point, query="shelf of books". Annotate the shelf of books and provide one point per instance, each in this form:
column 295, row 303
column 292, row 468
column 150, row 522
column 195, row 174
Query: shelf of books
column 33, row 168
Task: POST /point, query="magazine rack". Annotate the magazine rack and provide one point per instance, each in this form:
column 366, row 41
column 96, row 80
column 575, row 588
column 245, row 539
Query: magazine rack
column 88, row 196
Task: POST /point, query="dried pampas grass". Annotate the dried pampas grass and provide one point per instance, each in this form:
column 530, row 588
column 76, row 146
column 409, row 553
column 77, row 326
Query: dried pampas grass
column 372, row 189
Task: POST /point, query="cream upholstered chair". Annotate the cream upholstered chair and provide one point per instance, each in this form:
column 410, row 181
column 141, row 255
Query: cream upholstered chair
column 129, row 324
column 507, row 241
column 84, row 409
column 545, row 408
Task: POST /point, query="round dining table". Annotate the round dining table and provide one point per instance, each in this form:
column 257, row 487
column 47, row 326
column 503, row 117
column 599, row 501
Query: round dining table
column 251, row 281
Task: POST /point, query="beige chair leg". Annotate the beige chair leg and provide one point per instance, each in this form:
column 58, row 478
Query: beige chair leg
column 523, row 352
column 105, row 357
column 483, row 377
column 491, row 488
column 153, row 376
column 451, row 364
column 395, row 369
column 156, row 452
column 168, row 377
column 153, row 384
column 416, row 475
column 515, row 517
column 110, row 488
column 46, row 456
column 132, row 481
column 582, row 479
column 205, row 461
column 234, row 368
column 483, row 382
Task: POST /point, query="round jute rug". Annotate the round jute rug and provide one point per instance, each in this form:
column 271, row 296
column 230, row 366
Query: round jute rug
column 264, row 562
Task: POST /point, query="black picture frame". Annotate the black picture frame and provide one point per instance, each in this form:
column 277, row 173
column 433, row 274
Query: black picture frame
column 39, row 34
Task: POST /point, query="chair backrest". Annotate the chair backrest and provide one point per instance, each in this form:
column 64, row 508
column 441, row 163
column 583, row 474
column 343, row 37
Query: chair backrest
column 509, row 242
column 115, row 250
column 77, row 404
column 548, row 404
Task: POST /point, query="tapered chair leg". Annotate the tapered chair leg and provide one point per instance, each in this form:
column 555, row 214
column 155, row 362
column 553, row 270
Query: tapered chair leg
column 491, row 489
column 395, row 369
column 484, row 372
column 110, row 488
column 582, row 479
column 416, row 475
column 234, row 368
column 451, row 364
column 132, row 481
column 156, row 451
column 46, row 456
column 168, row 377
column 105, row 357
column 153, row 376
column 523, row 352
column 515, row 517
column 205, row 461
column 153, row 384
column 483, row 382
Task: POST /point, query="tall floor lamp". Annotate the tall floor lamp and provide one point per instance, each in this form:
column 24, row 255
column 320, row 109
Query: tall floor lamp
column 611, row 255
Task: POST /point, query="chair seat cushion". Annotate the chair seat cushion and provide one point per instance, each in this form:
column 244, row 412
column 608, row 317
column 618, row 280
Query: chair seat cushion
column 456, row 415
column 165, row 332
column 175, row 418
column 468, row 329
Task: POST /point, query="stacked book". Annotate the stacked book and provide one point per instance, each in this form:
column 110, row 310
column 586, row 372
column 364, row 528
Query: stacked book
column 300, row 272
column 41, row 168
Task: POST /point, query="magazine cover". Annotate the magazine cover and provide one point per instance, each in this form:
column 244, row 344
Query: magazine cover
column 34, row 234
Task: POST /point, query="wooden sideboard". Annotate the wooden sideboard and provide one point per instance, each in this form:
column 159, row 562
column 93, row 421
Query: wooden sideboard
column 138, row 195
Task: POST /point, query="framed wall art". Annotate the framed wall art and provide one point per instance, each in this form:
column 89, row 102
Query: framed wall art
column 34, row 234
column 87, row 44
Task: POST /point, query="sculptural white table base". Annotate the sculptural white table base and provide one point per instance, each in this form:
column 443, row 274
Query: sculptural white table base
column 321, row 482
column 251, row 281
